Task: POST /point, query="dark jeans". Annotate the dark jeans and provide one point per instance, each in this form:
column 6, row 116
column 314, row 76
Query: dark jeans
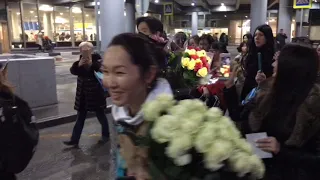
column 81, row 117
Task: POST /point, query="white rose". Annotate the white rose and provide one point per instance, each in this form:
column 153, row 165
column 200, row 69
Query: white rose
column 213, row 114
column 219, row 151
column 180, row 144
column 238, row 163
column 183, row 160
column 243, row 145
column 258, row 168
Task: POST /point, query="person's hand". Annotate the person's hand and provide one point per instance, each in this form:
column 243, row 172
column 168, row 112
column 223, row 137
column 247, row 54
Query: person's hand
column 269, row 144
column 276, row 55
column 206, row 92
column 260, row 77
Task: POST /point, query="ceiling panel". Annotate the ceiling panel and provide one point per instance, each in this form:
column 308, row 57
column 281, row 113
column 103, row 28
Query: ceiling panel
column 218, row 2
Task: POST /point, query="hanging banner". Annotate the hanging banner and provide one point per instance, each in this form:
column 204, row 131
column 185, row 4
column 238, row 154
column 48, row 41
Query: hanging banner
column 168, row 9
column 302, row 4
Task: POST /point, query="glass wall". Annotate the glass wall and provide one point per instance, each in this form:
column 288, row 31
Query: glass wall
column 30, row 24
column 46, row 20
column 14, row 19
column 66, row 26
column 62, row 25
column 77, row 17
column 90, row 25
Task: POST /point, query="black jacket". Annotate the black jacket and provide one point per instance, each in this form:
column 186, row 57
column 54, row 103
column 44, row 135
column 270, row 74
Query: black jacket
column 251, row 69
column 90, row 95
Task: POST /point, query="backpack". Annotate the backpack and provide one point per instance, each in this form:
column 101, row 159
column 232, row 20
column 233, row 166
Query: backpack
column 19, row 136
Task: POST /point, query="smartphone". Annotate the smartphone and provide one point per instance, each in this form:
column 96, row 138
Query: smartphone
column 225, row 64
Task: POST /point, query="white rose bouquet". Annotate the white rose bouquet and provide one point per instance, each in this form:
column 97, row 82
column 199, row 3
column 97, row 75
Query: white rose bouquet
column 188, row 140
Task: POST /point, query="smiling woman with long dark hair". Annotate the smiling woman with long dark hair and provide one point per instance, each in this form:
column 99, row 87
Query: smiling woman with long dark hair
column 290, row 115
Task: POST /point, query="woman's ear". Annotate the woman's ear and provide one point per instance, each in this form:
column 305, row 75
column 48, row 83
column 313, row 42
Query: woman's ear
column 151, row 75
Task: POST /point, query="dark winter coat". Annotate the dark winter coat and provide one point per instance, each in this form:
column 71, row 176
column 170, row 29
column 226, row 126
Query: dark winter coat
column 299, row 156
column 90, row 96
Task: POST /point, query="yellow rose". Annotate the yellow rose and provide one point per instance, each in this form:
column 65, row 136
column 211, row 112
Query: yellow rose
column 191, row 52
column 185, row 62
column 198, row 61
column 201, row 53
column 191, row 64
column 202, row 72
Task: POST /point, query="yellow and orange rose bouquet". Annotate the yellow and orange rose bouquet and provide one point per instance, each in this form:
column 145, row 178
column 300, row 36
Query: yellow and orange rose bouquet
column 195, row 65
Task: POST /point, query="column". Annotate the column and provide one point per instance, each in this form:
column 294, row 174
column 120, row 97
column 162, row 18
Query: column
column 111, row 18
column 130, row 18
column 285, row 18
column 194, row 23
column 258, row 13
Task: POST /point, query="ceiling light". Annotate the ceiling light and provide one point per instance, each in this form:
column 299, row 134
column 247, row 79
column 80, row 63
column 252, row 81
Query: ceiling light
column 156, row 1
column 293, row 20
column 36, row 16
column 87, row 15
column 45, row 7
column 225, row 15
column 18, row 13
column 61, row 13
column 98, row 12
column 76, row 10
column 125, row 13
column 192, row 4
column 246, row 16
column 222, row 4
column 31, row 12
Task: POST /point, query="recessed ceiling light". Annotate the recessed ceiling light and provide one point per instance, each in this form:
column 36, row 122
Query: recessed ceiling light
column 61, row 13
column 18, row 13
column 246, row 16
column 31, row 12
column 222, row 4
column 87, row 15
column 36, row 16
column 156, row 1
column 192, row 4
column 225, row 15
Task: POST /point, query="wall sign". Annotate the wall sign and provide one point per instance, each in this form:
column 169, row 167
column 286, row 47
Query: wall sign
column 302, row 4
column 168, row 9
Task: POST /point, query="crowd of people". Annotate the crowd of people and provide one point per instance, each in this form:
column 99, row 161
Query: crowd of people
column 272, row 88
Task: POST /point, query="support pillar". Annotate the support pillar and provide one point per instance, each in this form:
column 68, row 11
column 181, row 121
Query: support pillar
column 285, row 18
column 194, row 23
column 111, row 18
column 130, row 18
column 258, row 13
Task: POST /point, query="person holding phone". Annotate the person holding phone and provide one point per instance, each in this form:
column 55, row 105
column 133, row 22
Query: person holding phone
column 90, row 95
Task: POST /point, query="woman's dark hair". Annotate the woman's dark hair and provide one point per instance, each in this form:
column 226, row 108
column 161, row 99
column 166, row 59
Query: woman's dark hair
column 142, row 51
column 297, row 71
column 248, row 35
column 154, row 24
column 239, row 48
column 267, row 51
column 196, row 39
column 222, row 48
column 207, row 37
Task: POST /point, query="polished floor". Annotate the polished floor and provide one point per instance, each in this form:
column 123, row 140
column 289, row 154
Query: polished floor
column 54, row 161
